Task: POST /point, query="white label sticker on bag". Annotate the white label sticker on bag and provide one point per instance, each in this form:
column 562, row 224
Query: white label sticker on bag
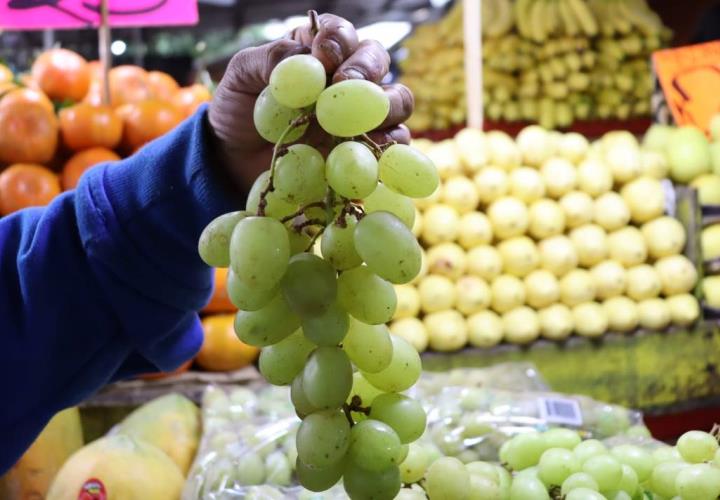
column 560, row 411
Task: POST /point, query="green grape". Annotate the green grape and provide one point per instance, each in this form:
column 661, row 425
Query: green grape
column 319, row 479
column 327, row 378
column 275, row 207
column 408, row 171
column 402, row 372
column 362, row 484
column 259, row 252
column 300, row 175
column 524, row 450
column 245, row 297
column 665, row 454
column 268, row 325
column 605, row 469
column 364, row 390
column 526, row 487
column 697, row 446
column 663, row 478
column 272, row 119
column 447, row 479
column 366, row 296
column 637, row 458
column 504, row 481
column 482, row 488
column 299, row 240
column 556, row 465
column 698, row 482
column 328, row 328
column 323, row 438
column 616, row 495
column 368, row 346
column 309, row 285
column 214, row 243
column 629, row 481
column 297, row 81
column 716, row 460
column 411, row 494
column 338, row 244
column 405, row 415
column 303, row 407
column 351, row 107
column 638, row 431
column 388, row 247
column 413, row 468
column 561, row 438
column 385, row 200
column 582, row 494
column 278, row 469
column 484, row 469
column 250, row 469
column 280, row 363
column 351, row 170
column 402, row 453
column 579, row 480
column 374, row 445
column 587, row 449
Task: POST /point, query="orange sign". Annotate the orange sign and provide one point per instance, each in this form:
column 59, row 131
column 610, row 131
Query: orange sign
column 690, row 79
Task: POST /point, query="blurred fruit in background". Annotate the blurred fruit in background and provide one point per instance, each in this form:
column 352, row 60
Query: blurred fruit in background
column 61, row 74
column 221, row 349
column 26, row 185
column 80, row 162
column 188, row 99
column 219, row 301
column 161, row 375
column 28, row 127
column 147, row 120
column 162, row 86
column 85, row 126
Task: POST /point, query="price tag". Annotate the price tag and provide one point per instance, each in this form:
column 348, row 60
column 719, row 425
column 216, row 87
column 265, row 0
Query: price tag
column 690, row 79
column 560, row 411
column 73, row 14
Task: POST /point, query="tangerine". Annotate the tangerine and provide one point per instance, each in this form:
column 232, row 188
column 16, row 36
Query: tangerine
column 84, row 126
column 221, row 349
column 160, row 375
column 62, row 74
column 80, row 162
column 219, row 301
column 26, row 185
column 146, row 121
column 162, row 86
column 189, row 99
column 6, row 75
column 128, row 85
column 28, row 127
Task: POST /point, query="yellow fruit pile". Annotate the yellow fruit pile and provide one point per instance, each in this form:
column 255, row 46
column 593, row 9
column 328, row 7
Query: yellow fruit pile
column 546, row 61
column 544, row 236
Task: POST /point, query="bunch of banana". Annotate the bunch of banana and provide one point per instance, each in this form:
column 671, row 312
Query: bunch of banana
column 622, row 17
column 539, row 20
column 498, row 17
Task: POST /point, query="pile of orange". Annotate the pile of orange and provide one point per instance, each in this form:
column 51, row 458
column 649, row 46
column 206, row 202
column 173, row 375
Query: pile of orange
column 43, row 152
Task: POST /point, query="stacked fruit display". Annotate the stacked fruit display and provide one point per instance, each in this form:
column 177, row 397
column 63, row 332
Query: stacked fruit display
column 542, row 237
column 46, row 151
column 546, row 61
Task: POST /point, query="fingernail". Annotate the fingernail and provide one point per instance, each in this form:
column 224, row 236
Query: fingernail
column 332, row 50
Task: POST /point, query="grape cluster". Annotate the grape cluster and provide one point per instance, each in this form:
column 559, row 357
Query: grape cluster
column 320, row 319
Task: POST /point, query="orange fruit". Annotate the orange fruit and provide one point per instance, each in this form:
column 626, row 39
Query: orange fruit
column 146, row 121
column 160, row 375
column 26, row 185
column 84, row 126
column 6, row 87
column 128, row 85
column 162, row 86
column 62, row 74
column 219, row 301
column 82, row 161
column 6, row 75
column 28, row 127
column 189, row 99
column 221, row 349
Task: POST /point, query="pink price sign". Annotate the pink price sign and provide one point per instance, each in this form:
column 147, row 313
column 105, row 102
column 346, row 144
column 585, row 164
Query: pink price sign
column 74, row 14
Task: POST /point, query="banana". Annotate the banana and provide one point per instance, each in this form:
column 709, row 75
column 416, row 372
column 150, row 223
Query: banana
column 537, row 25
column 584, row 16
column 489, row 14
column 551, row 17
column 521, row 9
column 599, row 10
column 570, row 25
column 640, row 16
column 503, row 20
column 622, row 24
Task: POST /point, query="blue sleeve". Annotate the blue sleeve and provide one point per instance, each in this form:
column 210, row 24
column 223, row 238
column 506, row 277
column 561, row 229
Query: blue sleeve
column 104, row 282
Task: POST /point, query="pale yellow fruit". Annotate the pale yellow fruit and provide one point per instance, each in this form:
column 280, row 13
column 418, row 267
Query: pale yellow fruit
column 621, row 138
column 447, row 330
column 475, row 229
column 684, row 309
column 437, row 293
column 623, row 160
column 653, row 164
column 460, row 193
column 560, row 177
column 591, row 244
column 627, row 246
column 645, row 197
column 594, row 177
column 643, row 282
column 408, row 301
column 492, row 183
column 519, row 256
column 710, row 242
column 677, row 274
column 429, row 201
column 610, row 279
column 547, row 219
column 502, row 150
column 521, row 325
column 423, row 269
column 534, row 144
column 484, row 262
column 422, row 144
column 622, row 314
column 556, row 322
column 577, row 287
column 541, row 289
column 485, row 329
column 654, row 314
column 508, row 292
column 440, row 223
column 708, row 187
column 578, row 207
column 526, row 184
column 558, row 255
column 444, row 155
column 665, row 236
column 508, row 216
column 473, row 295
column 472, row 149
column 590, row 319
column 413, row 330
column 611, row 211
column 573, row 147
column 447, row 259
column 417, row 224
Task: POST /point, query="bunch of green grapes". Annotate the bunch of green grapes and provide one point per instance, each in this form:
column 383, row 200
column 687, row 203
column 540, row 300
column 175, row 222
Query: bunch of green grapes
column 320, row 319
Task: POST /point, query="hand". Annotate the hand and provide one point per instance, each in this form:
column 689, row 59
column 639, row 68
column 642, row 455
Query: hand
column 243, row 153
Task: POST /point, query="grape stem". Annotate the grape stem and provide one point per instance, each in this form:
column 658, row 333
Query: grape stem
column 309, row 222
column 376, row 148
column 354, row 406
column 315, row 238
column 301, row 210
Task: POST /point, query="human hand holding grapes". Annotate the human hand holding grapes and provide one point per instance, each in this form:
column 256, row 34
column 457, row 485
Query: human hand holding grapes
column 334, row 42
